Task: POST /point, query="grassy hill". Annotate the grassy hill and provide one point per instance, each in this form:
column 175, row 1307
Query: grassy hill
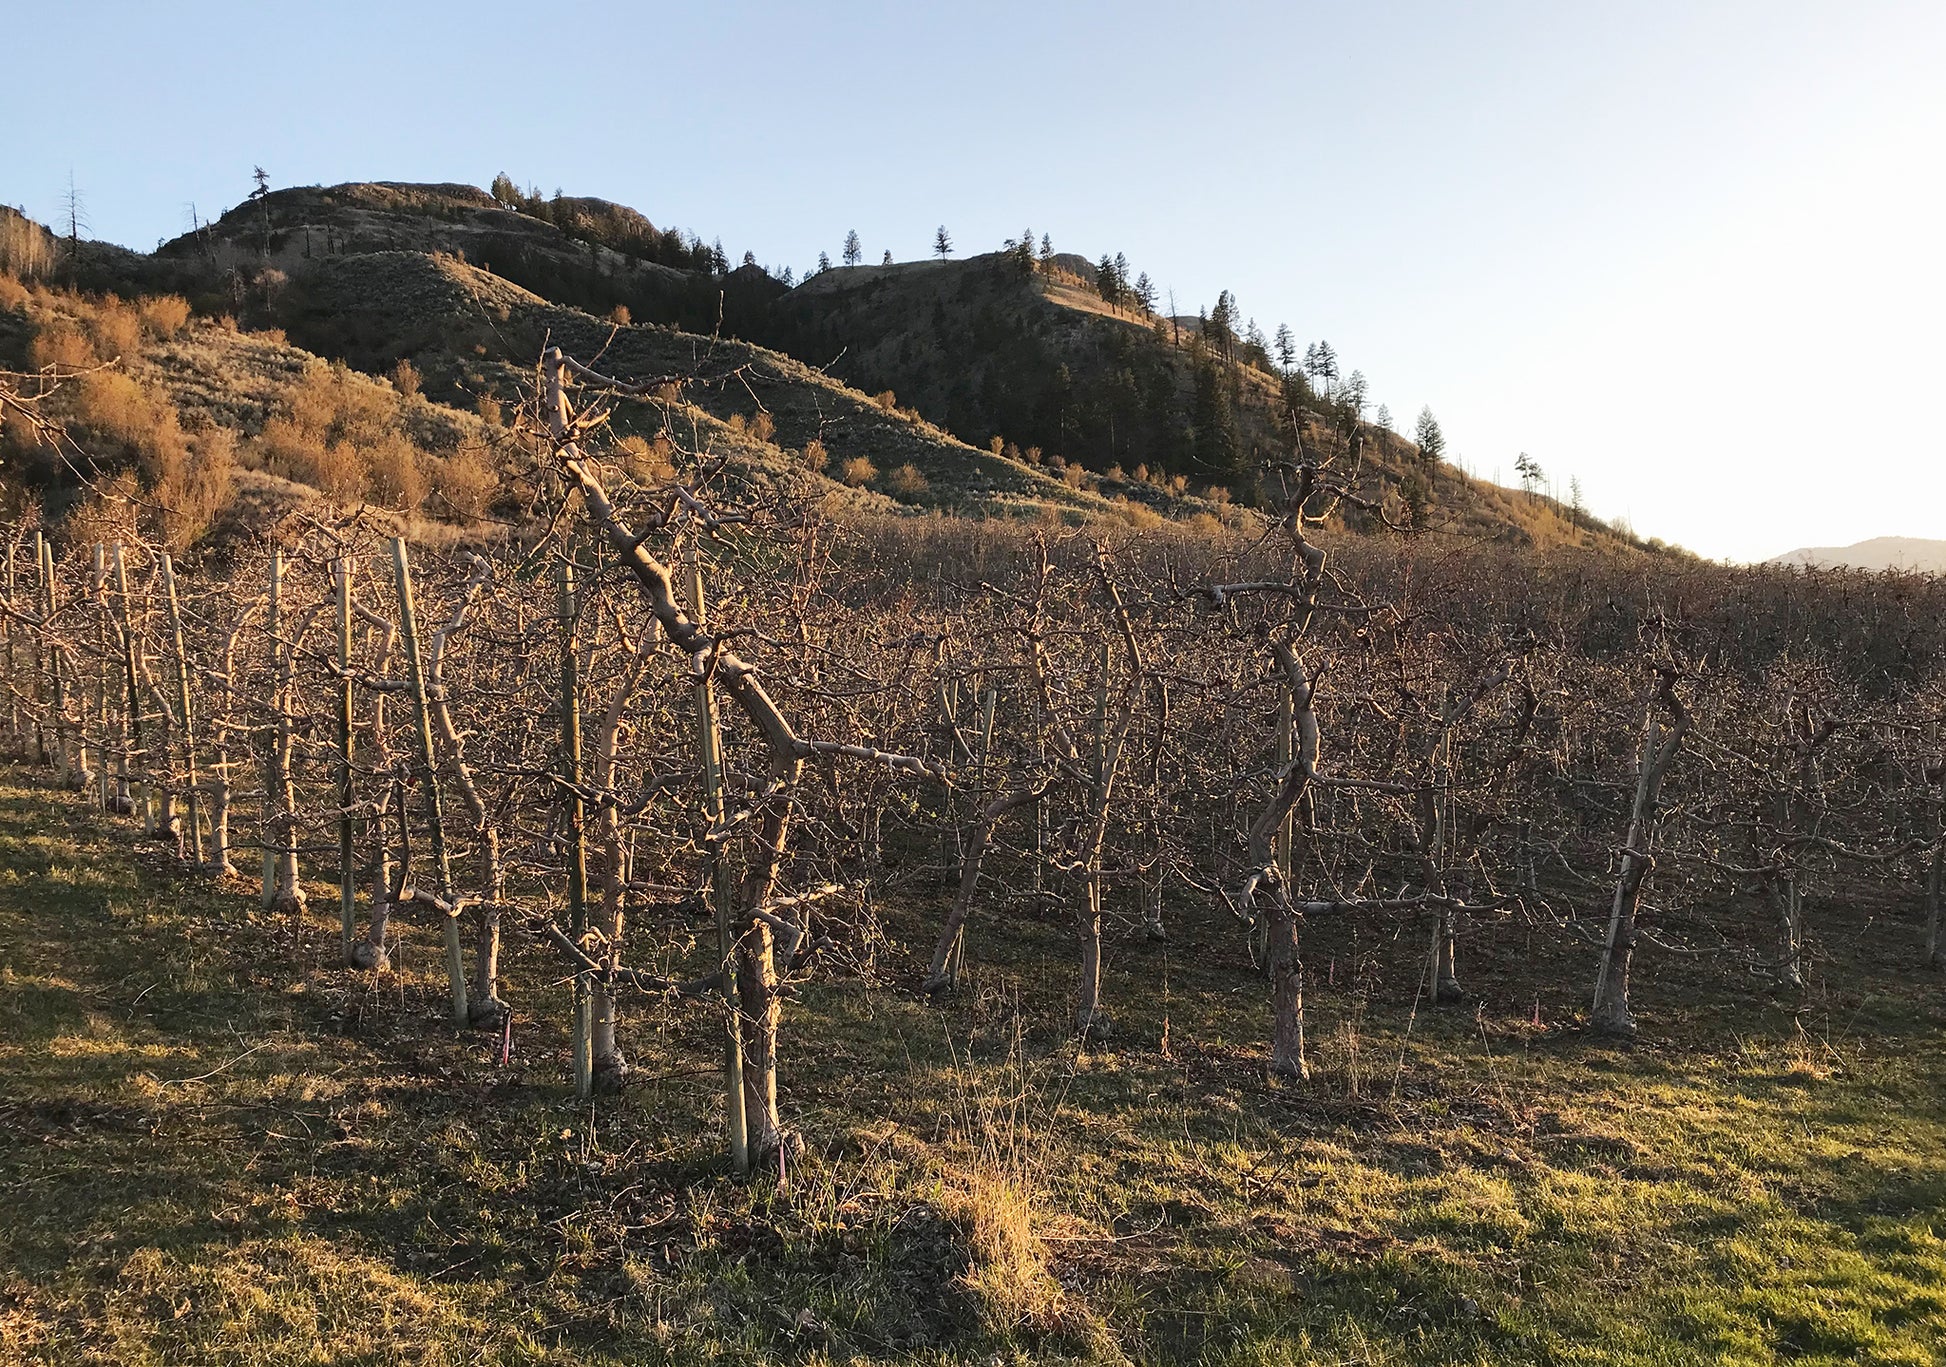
column 1030, row 363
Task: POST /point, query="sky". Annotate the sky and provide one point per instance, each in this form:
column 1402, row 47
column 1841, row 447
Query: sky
column 1689, row 254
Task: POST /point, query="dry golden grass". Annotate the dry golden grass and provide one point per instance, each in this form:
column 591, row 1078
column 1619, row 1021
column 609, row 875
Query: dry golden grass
column 13, row 294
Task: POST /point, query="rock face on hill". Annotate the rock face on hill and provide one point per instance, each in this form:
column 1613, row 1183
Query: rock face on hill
column 1879, row 553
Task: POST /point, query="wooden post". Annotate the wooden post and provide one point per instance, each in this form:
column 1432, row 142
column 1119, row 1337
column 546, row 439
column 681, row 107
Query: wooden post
column 1286, row 720
column 347, row 857
column 183, row 704
column 39, row 656
column 103, row 679
column 132, row 721
column 7, row 636
column 722, row 893
column 584, row 1067
column 429, row 767
column 56, row 657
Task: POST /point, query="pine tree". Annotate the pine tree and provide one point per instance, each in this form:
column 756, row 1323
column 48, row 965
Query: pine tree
column 1215, row 426
column 1432, row 441
column 1383, row 417
column 888, row 257
column 1023, row 250
column 1047, row 250
column 824, row 262
column 749, row 258
column 1107, row 284
column 1324, row 366
column 854, row 249
column 1145, row 292
column 789, row 276
column 503, row 190
column 1353, row 394
column 942, row 243
column 1286, row 346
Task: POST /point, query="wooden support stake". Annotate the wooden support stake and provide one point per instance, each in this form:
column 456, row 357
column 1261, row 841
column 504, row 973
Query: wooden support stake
column 429, row 768
column 188, row 718
column 722, row 894
column 347, row 836
column 565, row 607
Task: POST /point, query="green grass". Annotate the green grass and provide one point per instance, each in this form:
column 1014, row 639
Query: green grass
column 215, row 1146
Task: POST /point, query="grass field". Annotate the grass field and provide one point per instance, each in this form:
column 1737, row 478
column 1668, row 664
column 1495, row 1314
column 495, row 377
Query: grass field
column 216, row 1146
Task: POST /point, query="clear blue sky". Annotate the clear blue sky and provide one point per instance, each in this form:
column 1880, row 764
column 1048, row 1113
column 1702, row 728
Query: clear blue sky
column 1689, row 252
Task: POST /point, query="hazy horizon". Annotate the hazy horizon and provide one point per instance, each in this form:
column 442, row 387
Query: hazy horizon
column 1678, row 251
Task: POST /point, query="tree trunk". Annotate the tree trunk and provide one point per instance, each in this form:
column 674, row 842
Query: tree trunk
column 1282, row 926
column 1611, row 1014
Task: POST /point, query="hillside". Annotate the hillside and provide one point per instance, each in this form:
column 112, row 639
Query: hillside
column 1879, row 553
column 242, row 426
column 1031, row 359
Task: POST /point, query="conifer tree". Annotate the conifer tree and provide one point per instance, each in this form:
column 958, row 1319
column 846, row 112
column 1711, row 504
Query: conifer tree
column 503, row 190
column 888, row 257
column 942, row 243
column 1286, row 346
column 1432, row 441
column 1323, row 364
column 854, row 249
column 1145, row 292
column 824, row 262
column 1047, row 250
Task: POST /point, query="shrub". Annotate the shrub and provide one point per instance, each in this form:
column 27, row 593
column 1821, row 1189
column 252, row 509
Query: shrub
column 116, row 328
column 857, row 471
column 763, row 427
column 60, row 344
column 466, row 481
column 997, row 445
column 332, row 467
column 393, row 474
column 113, row 405
column 887, row 400
column 489, row 409
column 814, row 456
column 1033, row 455
column 907, row 483
column 405, row 378
column 13, row 294
column 164, row 315
column 1074, row 476
column 619, row 315
column 648, row 461
column 193, row 496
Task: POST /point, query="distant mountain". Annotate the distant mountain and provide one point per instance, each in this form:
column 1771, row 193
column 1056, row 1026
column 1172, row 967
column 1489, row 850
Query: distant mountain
column 1880, row 553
